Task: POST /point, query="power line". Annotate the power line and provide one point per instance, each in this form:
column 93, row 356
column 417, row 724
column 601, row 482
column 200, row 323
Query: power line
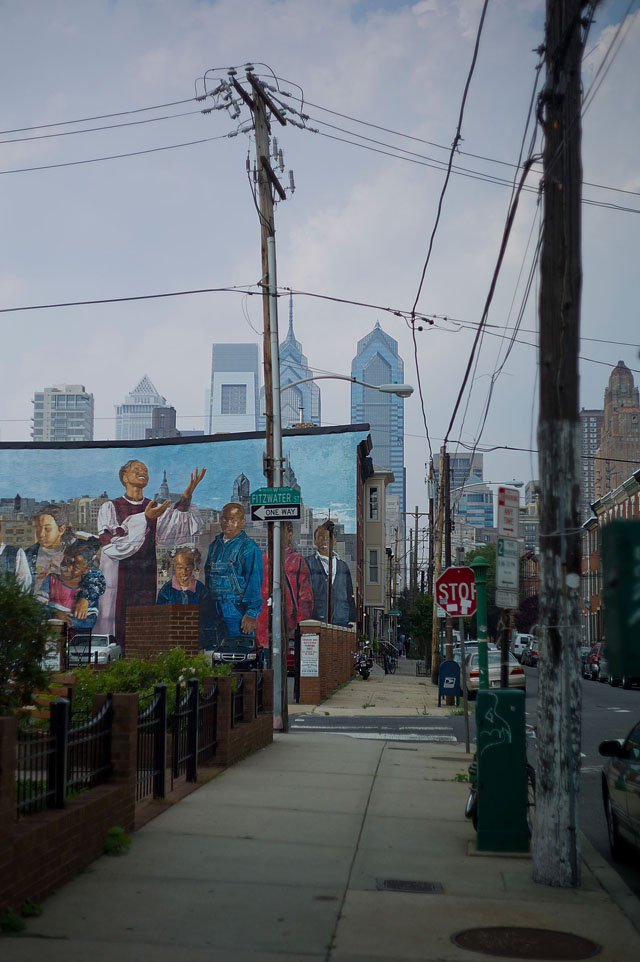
column 90, row 130
column 86, row 120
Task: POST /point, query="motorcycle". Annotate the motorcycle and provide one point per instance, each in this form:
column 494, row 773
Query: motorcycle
column 363, row 662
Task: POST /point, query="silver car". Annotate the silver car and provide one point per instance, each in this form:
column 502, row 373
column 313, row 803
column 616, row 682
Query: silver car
column 517, row 677
column 93, row 650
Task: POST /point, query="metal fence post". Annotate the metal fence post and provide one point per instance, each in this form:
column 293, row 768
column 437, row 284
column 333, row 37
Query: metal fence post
column 59, row 729
column 160, row 743
column 192, row 730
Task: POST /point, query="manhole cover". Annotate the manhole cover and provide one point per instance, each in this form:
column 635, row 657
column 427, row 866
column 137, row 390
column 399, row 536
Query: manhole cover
column 408, row 885
column 523, row 943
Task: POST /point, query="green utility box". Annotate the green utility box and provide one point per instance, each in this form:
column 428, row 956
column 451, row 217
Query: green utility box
column 502, row 771
column 621, row 596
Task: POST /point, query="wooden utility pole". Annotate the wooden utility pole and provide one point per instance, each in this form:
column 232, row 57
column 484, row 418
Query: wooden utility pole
column 556, row 854
column 437, row 566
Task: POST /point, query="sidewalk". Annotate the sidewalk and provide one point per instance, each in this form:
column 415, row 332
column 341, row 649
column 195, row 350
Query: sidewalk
column 281, row 858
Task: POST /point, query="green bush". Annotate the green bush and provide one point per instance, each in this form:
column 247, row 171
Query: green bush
column 141, row 675
column 24, row 634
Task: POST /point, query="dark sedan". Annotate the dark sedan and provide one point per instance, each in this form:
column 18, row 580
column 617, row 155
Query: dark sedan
column 621, row 792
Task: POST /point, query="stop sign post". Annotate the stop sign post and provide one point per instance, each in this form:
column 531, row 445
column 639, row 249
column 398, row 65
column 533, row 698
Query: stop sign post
column 456, row 591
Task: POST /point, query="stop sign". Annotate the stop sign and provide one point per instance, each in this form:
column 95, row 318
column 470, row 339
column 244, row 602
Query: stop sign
column 456, row 591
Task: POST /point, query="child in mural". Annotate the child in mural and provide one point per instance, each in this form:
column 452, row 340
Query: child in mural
column 59, row 593
column 13, row 561
column 54, row 535
column 129, row 528
column 297, row 589
column 185, row 589
column 343, row 607
column 233, row 573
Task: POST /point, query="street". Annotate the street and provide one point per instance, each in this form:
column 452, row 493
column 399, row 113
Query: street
column 606, row 713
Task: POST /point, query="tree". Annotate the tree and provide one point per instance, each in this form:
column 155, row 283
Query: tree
column 420, row 618
column 24, row 634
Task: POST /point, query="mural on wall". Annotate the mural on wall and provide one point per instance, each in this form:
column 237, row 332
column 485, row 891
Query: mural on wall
column 94, row 529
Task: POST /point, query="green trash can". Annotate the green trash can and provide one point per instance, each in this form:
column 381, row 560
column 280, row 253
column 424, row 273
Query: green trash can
column 502, row 771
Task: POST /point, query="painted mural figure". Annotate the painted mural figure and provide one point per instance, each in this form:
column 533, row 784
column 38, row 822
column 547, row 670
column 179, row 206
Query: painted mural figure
column 343, row 607
column 233, row 573
column 297, row 589
column 54, row 535
column 129, row 528
column 59, row 593
column 185, row 589
column 13, row 561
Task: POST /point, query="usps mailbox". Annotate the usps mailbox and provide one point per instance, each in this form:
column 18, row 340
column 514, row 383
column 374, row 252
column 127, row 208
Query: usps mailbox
column 449, row 680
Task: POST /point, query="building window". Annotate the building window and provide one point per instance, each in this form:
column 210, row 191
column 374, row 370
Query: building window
column 373, row 504
column 233, row 399
column 374, row 574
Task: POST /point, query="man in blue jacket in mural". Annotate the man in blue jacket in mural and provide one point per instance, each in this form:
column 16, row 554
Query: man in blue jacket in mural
column 233, row 573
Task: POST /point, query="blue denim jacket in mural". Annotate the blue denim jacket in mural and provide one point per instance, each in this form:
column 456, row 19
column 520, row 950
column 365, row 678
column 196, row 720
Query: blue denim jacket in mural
column 233, row 574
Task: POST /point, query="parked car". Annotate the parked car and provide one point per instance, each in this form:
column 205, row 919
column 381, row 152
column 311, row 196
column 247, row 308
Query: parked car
column 592, row 661
column 584, row 651
column 530, row 653
column 93, row 650
column 242, row 652
column 621, row 792
column 519, row 644
column 517, row 678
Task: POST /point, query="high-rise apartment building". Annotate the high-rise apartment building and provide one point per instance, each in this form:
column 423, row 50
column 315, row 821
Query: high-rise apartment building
column 135, row 414
column 591, row 421
column 299, row 404
column 473, row 506
column 377, row 362
column 618, row 455
column 63, row 412
column 232, row 400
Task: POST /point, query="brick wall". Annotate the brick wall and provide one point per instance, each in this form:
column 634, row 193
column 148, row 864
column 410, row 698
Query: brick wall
column 337, row 646
column 152, row 629
column 41, row 852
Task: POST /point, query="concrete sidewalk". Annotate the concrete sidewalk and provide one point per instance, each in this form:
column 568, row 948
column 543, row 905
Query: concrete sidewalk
column 282, row 856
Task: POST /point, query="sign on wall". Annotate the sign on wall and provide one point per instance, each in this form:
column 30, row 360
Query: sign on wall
column 309, row 656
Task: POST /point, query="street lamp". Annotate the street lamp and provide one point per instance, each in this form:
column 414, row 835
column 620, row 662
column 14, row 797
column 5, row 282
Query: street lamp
column 275, row 430
column 400, row 390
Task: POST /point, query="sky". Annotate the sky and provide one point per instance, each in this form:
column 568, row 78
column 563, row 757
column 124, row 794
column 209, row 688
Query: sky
column 357, row 227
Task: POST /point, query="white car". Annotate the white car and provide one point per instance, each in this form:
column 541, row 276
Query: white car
column 519, row 644
column 517, row 678
column 93, row 650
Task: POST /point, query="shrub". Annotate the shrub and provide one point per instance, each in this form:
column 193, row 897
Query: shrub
column 24, row 635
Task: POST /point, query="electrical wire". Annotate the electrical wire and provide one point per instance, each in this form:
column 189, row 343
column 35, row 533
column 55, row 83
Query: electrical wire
column 91, row 130
column 86, row 120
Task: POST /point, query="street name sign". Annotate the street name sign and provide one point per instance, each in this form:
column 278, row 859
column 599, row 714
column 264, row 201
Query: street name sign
column 456, row 591
column 507, row 563
column 275, row 496
column 508, row 512
column 275, row 504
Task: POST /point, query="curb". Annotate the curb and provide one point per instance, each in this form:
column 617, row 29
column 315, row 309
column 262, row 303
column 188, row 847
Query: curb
column 607, row 877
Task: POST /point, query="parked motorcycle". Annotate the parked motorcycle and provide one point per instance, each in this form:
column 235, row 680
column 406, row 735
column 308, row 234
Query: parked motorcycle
column 363, row 662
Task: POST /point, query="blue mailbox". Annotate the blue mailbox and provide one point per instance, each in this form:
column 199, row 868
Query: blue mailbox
column 449, row 680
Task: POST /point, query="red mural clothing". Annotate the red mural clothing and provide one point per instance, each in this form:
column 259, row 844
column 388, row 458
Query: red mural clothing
column 298, row 594
column 137, row 577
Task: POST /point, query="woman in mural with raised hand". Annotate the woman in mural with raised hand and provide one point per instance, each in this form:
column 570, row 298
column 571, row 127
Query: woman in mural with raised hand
column 129, row 528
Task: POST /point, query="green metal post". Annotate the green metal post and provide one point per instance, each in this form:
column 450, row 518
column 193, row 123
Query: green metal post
column 480, row 565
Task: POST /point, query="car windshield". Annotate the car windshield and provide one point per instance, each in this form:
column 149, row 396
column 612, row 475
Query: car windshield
column 100, row 641
column 237, row 644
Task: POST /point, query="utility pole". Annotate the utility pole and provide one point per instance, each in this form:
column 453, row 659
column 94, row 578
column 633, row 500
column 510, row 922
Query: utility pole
column 556, row 855
column 414, row 582
column 431, row 487
column 437, row 566
column 259, row 104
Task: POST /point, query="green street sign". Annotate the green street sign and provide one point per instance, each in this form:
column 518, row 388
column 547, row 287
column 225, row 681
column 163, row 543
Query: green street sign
column 621, row 595
column 394, row 611
column 275, row 496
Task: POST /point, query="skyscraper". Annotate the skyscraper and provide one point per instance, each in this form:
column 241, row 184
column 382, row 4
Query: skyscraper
column 135, row 415
column 232, row 400
column 377, row 362
column 63, row 412
column 592, row 421
column 300, row 403
column 618, row 455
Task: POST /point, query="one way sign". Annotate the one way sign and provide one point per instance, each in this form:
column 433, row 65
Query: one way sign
column 275, row 512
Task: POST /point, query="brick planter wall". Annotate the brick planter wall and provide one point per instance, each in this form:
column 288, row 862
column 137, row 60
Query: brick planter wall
column 337, row 646
column 152, row 629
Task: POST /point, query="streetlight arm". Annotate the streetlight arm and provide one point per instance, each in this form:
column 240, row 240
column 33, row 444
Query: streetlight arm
column 402, row 390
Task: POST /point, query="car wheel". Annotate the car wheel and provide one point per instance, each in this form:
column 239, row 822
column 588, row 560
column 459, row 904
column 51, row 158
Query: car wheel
column 615, row 842
column 626, row 682
column 602, row 678
column 614, row 682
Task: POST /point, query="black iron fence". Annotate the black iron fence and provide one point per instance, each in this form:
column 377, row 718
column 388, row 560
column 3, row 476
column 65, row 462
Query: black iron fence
column 184, row 731
column 237, row 701
column 53, row 765
column 208, row 725
column 152, row 752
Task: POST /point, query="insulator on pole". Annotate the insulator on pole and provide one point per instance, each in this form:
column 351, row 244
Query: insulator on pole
column 292, row 186
column 281, row 160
